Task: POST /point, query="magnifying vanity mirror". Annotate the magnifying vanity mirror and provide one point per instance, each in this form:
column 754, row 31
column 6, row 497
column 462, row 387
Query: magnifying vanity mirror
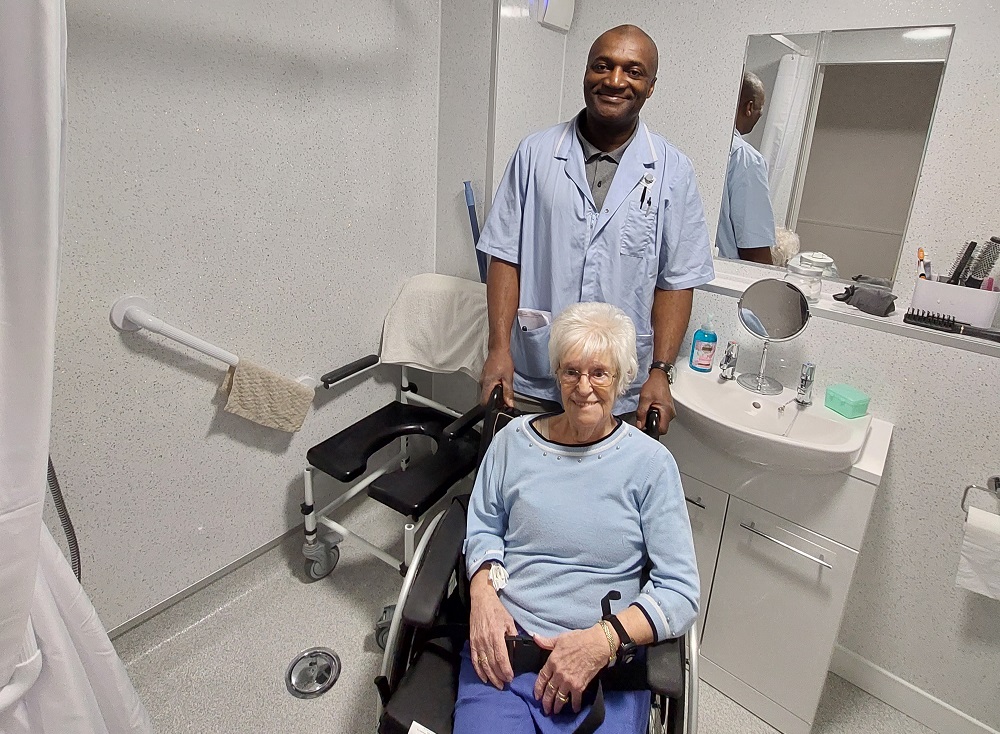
column 774, row 311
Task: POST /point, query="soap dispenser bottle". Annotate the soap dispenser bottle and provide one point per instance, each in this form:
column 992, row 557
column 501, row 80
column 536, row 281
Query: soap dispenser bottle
column 703, row 347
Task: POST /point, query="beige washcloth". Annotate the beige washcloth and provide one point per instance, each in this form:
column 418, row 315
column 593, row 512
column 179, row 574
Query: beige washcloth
column 267, row 398
column 438, row 323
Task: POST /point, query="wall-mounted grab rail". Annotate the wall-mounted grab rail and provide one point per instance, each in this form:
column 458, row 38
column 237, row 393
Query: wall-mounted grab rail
column 133, row 313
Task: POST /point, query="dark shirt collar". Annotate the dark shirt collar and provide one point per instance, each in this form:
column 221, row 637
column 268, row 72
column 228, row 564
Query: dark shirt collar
column 590, row 151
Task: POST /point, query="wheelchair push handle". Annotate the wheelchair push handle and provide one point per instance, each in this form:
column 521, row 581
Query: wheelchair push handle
column 468, row 419
column 652, row 428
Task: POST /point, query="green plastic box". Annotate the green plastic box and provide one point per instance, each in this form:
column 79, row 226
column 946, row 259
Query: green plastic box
column 846, row 400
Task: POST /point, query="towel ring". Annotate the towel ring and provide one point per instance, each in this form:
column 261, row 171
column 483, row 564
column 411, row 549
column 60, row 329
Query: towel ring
column 993, row 488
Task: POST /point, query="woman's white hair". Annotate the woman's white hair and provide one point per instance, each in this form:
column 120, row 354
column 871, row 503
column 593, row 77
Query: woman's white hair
column 596, row 331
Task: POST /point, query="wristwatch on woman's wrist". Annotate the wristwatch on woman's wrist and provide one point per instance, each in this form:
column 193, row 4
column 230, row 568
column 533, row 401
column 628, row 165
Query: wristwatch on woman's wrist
column 626, row 648
column 498, row 576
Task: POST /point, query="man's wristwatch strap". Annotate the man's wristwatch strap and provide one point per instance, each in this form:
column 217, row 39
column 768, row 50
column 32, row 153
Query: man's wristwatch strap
column 666, row 367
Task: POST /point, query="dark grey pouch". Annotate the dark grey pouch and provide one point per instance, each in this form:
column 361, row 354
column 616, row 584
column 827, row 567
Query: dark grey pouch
column 870, row 299
column 872, row 280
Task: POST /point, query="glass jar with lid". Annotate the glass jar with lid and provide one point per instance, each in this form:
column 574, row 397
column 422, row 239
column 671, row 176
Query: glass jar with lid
column 807, row 279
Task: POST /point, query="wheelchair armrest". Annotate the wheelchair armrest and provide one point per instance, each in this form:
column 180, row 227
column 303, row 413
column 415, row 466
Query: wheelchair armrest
column 464, row 422
column 665, row 667
column 342, row 373
column 430, row 584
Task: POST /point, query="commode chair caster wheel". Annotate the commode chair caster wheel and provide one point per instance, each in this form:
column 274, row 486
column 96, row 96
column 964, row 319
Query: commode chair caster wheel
column 321, row 558
column 382, row 626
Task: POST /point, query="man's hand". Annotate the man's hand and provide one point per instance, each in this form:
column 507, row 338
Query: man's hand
column 655, row 393
column 498, row 370
column 576, row 658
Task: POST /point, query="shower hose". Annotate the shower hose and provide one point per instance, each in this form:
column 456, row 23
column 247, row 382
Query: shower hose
column 67, row 524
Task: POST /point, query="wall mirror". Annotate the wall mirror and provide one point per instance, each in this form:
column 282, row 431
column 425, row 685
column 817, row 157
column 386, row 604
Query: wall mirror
column 841, row 134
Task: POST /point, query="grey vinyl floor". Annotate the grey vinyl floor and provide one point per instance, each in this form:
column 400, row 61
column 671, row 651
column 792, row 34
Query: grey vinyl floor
column 215, row 662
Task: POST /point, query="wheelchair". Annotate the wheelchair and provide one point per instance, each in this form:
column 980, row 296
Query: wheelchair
column 418, row 684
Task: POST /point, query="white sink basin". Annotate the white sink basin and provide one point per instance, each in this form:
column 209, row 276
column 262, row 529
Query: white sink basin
column 812, row 440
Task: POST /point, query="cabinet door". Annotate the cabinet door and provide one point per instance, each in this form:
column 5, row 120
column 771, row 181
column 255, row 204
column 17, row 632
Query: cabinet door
column 707, row 511
column 777, row 599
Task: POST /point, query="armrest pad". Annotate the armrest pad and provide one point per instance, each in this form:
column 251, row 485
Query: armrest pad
column 440, row 559
column 465, row 421
column 342, row 373
column 665, row 667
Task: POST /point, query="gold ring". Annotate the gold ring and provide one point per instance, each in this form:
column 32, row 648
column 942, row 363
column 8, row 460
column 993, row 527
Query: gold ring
column 552, row 687
column 562, row 697
column 483, row 659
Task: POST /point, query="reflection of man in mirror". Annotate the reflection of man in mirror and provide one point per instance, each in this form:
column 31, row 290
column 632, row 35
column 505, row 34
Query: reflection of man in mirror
column 598, row 208
column 746, row 221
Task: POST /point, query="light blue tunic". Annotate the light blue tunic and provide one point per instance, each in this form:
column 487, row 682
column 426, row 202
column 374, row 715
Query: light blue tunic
column 571, row 523
column 746, row 218
column 544, row 220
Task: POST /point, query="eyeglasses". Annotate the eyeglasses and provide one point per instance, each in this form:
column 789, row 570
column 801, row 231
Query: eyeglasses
column 597, row 378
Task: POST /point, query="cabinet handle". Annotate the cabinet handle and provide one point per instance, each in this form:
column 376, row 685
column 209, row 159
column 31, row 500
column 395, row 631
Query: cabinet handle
column 792, row 548
column 696, row 503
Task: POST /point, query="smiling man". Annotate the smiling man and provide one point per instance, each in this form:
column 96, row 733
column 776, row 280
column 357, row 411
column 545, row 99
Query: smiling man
column 599, row 208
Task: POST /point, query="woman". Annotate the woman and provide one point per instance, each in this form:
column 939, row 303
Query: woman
column 566, row 508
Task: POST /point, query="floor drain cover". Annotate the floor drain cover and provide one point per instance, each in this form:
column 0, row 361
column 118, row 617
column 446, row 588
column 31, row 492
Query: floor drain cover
column 312, row 673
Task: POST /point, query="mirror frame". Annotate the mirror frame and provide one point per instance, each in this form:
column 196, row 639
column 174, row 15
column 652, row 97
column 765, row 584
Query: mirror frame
column 805, row 323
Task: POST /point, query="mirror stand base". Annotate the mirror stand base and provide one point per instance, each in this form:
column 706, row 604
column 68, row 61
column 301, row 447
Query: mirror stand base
column 760, row 384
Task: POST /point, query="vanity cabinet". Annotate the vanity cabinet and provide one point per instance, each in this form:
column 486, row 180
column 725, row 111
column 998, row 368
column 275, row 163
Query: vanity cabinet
column 707, row 510
column 776, row 601
column 776, row 554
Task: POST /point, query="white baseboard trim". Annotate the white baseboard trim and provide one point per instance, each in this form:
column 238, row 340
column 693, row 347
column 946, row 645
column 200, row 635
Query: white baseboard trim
column 905, row 697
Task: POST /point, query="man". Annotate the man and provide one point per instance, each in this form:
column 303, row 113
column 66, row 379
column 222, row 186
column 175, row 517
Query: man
column 596, row 209
column 746, row 220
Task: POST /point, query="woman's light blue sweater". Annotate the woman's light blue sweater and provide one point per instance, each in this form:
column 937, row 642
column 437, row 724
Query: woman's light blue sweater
column 571, row 523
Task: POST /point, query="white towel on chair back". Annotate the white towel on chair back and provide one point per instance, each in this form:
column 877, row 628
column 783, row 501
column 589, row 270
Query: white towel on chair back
column 438, row 323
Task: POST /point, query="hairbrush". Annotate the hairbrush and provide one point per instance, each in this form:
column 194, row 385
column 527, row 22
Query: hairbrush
column 943, row 322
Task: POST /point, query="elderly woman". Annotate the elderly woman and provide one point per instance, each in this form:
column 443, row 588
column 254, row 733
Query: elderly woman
column 566, row 508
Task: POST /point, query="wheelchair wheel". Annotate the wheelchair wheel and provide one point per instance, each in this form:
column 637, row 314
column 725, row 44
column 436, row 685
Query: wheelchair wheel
column 318, row 569
column 382, row 626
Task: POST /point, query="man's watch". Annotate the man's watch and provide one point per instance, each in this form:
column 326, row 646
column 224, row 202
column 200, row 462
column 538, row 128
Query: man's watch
column 666, row 367
column 626, row 648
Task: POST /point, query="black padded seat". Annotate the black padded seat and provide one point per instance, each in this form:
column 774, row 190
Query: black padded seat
column 427, row 479
column 344, row 456
column 426, row 694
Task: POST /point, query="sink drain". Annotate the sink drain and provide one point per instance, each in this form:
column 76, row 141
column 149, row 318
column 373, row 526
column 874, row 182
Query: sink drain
column 312, row 673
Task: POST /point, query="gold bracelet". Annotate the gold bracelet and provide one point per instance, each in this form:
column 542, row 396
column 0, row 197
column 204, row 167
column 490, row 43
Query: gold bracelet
column 611, row 642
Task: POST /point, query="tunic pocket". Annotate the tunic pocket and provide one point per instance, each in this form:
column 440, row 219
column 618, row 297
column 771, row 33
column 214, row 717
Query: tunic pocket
column 639, row 231
column 529, row 348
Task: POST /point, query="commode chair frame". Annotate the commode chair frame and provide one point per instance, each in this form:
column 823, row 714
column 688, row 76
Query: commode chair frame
column 321, row 551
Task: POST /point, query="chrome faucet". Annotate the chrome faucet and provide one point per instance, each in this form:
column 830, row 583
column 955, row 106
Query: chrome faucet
column 804, row 394
column 728, row 363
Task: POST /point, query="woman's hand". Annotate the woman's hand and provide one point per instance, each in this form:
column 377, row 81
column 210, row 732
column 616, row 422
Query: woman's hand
column 489, row 622
column 576, row 658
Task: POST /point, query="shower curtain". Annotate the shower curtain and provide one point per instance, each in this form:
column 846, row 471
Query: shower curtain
column 58, row 670
column 788, row 105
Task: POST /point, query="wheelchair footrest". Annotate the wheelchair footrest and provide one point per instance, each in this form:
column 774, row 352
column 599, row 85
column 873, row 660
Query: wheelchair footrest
column 426, row 694
column 425, row 481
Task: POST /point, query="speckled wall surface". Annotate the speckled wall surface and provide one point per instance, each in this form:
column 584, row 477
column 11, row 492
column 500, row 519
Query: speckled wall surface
column 466, row 53
column 264, row 172
column 904, row 613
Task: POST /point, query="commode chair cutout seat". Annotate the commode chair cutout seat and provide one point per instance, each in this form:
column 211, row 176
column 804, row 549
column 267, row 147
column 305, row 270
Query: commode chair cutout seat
column 345, row 455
